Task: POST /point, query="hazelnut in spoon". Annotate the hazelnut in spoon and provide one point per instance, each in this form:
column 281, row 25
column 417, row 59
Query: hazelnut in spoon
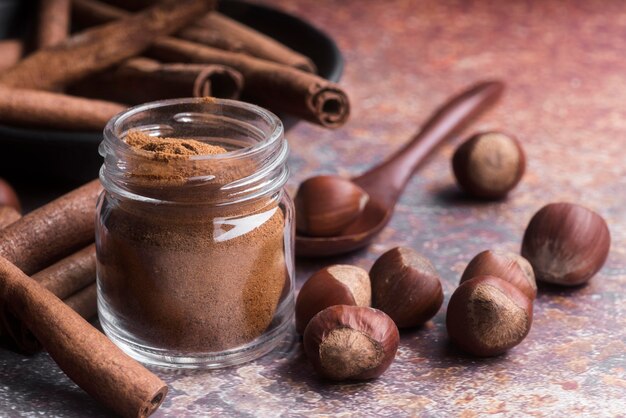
column 325, row 205
column 385, row 182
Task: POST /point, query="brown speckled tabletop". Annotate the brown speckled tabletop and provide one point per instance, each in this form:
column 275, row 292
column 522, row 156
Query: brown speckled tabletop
column 566, row 101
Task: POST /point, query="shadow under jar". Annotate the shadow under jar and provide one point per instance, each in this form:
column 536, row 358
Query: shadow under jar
column 195, row 254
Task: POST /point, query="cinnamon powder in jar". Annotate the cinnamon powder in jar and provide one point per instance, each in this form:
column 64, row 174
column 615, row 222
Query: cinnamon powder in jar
column 189, row 277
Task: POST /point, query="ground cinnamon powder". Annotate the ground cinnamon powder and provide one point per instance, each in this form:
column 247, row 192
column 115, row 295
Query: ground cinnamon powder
column 166, row 149
column 189, row 278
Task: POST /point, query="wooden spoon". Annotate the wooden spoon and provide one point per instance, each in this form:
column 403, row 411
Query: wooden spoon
column 385, row 182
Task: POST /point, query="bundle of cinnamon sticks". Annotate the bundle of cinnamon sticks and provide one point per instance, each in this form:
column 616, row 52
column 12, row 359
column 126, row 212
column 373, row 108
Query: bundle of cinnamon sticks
column 48, row 290
column 130, row 52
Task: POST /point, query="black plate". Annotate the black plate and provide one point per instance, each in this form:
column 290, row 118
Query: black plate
column 71, row 158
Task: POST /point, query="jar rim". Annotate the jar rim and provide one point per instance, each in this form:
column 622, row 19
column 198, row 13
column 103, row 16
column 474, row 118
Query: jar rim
column 268, row 153
column 276, row 129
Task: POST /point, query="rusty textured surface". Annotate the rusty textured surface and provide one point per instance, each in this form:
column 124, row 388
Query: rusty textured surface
column 564, row 62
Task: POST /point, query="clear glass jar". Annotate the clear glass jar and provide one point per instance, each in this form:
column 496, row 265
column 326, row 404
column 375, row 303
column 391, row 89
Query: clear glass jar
column 195, row 254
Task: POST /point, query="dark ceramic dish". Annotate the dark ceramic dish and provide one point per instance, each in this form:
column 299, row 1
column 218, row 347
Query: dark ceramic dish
column 70, row 158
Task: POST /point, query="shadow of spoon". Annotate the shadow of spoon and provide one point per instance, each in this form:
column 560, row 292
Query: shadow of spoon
column 385, row 182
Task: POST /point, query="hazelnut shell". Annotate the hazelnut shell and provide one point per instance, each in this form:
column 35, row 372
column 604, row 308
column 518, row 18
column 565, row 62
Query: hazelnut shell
column 566, row 244
column 333, row 285
column 510, row 267
column 406, row 286
column 8, row 197
column 351, row 342
column 489, row 165
column 325, row 205
column 487, row 316
column 8, row 215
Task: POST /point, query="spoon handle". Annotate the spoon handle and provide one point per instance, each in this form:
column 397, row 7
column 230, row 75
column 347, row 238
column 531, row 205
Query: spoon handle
column 386, row 181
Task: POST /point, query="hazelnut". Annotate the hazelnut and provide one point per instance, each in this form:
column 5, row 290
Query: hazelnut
column 8, row 215
column 8, row 197
column 487, row 316
column 325, row 205
column 489, row 165
column 507, row 266
column 333, row 285
column 566, row 243
column 406, row 286
column 351, row 342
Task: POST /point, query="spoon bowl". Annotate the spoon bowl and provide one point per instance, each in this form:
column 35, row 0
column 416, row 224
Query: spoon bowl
column 326, row 205
column 385, row 182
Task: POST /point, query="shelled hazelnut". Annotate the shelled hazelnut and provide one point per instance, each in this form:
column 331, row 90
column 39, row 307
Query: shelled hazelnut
column 333, row 285
column 325, row 205
column 489, row 165
column 507, row 266
column 406, row 286
column 566, row 243
column 351, row 342
column 487, row 316
column 8, row 197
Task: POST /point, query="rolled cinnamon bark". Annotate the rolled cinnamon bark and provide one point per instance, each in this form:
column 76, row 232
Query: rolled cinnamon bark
column 214, row 30
column 36, row 108
column 69, row 275
column 278, row 87
column 275, row 86
column 53, row 231
column 84, row 302
column 53, row 22
column 88, row 13
column 8, row 215
column 11, row 51
column 219, row 31
column 88, row 357
column 67, row 279
column 101, row 47
column 132, row 5
column 140, row 80
column 17, row 337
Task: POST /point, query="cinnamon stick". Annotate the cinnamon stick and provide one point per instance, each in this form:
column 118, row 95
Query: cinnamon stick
column 84, row 302
column 34, row 108
column 88, row 13
column 141, row 80
column 131, row 5
column 219, row 31
column 100, row 47
column 8, row 215
column 17, row 337
column 53, row 22
column 88, row 357
column 67, row 279
column 214, row 29
column 277, row 87
column 11, row 51
column 52, row 231
column 69, row 275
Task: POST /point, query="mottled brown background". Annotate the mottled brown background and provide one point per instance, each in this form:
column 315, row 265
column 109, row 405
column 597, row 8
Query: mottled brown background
column 566, row 101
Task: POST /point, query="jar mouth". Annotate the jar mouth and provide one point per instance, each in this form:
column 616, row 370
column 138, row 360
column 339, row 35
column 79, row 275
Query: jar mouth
column 116, row 129
column 253, row 165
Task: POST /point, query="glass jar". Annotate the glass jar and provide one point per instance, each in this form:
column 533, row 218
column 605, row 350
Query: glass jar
column 195, row 253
